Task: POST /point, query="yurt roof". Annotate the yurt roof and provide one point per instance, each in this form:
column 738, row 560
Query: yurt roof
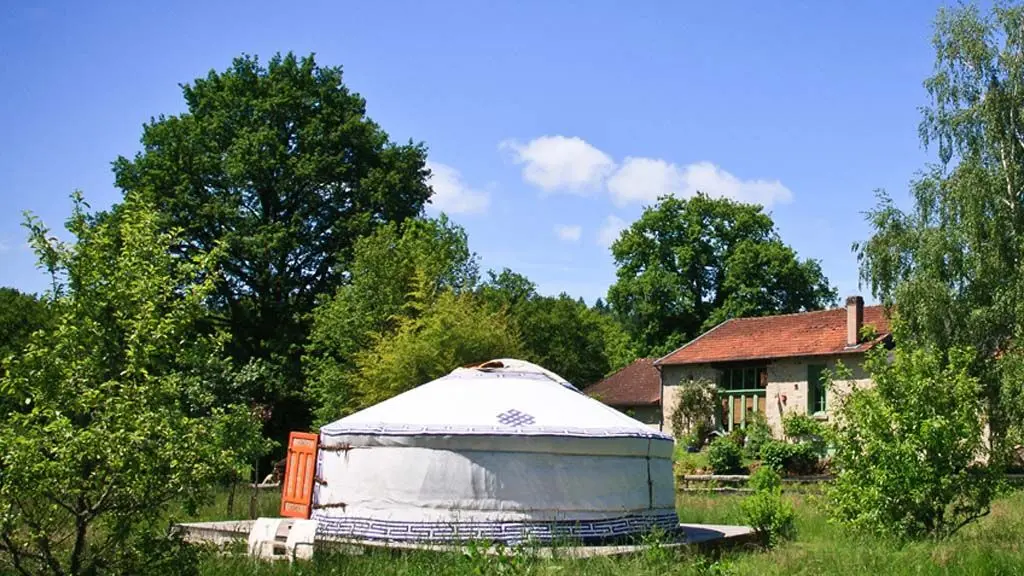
column 504, row 397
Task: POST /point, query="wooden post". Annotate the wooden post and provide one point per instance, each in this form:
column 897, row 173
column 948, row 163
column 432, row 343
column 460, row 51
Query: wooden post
column 743, row 411
column 732, row 407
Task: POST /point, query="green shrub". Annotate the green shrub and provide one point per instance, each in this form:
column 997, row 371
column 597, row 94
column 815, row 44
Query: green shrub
column 758, row 434
column 694, row 410
column 725, row 456
column 691, row 441
column 804, row 458
column 771, row 518
column 739, row 436
column 764, row 478
column 690, row 462
column 801, row 426
column 775, row 454
column 793, row 458
column 910, row 451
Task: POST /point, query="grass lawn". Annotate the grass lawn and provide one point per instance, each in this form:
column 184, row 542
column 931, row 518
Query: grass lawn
column 994, row 545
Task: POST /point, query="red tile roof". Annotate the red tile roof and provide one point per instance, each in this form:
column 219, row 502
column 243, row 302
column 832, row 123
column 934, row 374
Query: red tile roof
column 805, row 334
column 638, row 384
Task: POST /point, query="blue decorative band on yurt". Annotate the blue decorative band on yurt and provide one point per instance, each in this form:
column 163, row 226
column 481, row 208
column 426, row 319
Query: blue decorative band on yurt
column 509, row 532
column 382, row 429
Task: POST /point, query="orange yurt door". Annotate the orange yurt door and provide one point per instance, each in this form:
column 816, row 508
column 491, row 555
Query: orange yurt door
column 300, row 467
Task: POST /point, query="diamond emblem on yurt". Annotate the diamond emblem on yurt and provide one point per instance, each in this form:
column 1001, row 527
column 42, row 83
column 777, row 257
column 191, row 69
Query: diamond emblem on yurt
column 515, row 418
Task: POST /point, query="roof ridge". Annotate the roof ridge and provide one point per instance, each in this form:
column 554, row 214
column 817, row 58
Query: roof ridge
column 616, row 372
column 672, row 353
column 804, row 313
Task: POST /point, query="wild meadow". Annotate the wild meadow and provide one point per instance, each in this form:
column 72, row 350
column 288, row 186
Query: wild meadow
column 993, row 545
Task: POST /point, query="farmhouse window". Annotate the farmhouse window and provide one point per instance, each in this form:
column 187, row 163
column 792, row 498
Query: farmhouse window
column 816, row 393
column 743, row 378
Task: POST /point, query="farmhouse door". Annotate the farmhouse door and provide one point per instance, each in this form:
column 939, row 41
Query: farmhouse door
column 738, row 408
column 742, row 391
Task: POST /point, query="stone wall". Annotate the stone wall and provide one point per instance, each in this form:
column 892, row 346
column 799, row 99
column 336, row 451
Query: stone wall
column 671, row 378
column 649, row 415
column 786, row 392
column 788, row 388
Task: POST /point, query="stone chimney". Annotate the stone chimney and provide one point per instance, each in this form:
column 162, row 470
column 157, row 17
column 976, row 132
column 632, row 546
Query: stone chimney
column 854, row 319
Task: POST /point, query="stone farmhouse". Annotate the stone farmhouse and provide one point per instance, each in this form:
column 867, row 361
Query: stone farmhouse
column 772, row 365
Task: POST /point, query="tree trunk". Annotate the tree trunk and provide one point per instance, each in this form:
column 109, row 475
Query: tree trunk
column 255, row 491
column 231, row 495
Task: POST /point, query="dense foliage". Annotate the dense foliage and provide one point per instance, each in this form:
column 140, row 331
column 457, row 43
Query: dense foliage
column 105, row 416
column 950, row 264
column 799, row 426
column 20, row 315
column 450, row 330
column 279, row 167
column 688, row 264
column 910, row 452
column 950, row 267
column 579, row 343
column 798, row 458
column 398, row 273
column 414, row 310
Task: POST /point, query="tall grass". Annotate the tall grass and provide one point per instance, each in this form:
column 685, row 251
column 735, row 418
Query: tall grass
column 248, row 503
column 994, row 545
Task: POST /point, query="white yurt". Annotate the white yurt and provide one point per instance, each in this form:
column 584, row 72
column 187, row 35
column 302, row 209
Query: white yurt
column 504, row 452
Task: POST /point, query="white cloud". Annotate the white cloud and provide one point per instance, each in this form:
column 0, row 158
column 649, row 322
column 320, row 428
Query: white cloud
column 609, row 232
column 4, row 247
column 645, row 179
column 558, row 163
column 569, row 233
column 570, row 164
column 451, row 194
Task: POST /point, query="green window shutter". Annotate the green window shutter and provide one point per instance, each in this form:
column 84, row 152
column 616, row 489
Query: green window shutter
column 815, row 389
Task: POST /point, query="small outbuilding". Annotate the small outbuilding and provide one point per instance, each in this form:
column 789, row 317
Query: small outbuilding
column 635, row 390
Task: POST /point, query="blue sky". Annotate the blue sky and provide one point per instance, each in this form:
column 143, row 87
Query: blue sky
column 550, row 124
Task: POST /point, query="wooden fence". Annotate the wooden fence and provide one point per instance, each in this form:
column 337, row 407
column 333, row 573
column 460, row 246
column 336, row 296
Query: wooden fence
column 737, row 483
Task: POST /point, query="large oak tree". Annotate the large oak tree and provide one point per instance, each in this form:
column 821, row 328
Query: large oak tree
column 278, row 166
column 688, row 264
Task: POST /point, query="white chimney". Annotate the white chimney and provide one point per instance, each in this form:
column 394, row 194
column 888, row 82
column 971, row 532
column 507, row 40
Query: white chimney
column 854, row 319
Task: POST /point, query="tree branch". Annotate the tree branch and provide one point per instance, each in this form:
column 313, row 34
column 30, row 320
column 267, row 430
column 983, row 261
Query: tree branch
column 16, row 554
column 46, row 555
column 968, row 520
column 96, row 508
column 49, row 496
